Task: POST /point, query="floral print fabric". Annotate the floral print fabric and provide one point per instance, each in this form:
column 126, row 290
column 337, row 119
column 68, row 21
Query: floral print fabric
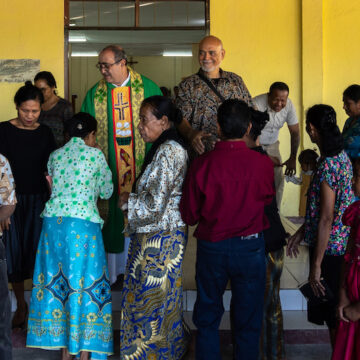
column 152, row 324
column 80, row 175
column 155, row 205
column 7, row 184
column 337, row 172
column 71, row 297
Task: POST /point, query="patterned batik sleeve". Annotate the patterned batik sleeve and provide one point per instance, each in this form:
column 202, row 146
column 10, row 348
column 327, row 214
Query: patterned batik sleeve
column 7, row 184
column 148, row 206
column 245, row 92
column 105, row 179
column 184, row 101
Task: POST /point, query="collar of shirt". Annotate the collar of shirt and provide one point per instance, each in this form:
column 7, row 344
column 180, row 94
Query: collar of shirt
column 223, row 74
column 230, row 145
column 124, row 83
column 77, row 141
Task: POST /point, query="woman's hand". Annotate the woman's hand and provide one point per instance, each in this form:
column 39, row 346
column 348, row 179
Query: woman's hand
column 352, row 311
column 4, row 225
column 314, row 279
column 292, row 248
column 123, row 199
column 343, row 303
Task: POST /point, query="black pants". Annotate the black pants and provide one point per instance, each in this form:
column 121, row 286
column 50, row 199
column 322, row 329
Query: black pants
column 5, row 309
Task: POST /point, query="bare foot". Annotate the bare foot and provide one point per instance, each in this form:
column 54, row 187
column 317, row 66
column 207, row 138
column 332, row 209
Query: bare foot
column 19, row 319
column 352, row 312
column 65, row 354
column 84, row 355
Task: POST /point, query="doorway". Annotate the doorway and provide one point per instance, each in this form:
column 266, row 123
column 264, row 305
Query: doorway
column 160, row 38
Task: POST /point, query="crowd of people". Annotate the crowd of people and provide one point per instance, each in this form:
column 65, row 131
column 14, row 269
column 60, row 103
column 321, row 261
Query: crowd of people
column 112, row 190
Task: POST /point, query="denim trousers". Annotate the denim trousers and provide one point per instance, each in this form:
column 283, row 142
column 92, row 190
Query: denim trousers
column 5, row 309
column 242, row 261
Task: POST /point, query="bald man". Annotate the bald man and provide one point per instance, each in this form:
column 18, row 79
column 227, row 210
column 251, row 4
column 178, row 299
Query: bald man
column 115, row 103
column 201, row 94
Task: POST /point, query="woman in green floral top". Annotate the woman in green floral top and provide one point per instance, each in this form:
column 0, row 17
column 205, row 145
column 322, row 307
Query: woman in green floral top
column 71, row 302
column 329, row 194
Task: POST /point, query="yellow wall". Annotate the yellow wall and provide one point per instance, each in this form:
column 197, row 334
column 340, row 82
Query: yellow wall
column 262, row 40
column 312, row 45
column 341, row 51
column 31, row 30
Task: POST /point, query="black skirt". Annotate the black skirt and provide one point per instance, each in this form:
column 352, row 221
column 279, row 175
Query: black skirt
column 330, row 271
column 21, row 240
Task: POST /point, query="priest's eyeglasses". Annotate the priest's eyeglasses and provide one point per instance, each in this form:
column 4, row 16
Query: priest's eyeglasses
column 106, row 66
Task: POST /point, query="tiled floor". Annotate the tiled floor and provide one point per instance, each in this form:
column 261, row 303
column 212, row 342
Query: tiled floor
column 293, row 352
column 303, row 340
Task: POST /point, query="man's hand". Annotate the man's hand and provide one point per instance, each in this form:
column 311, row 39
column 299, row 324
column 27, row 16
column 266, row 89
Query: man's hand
column 4, row 224
column 292, row 248
column 196, row 141
column 290, row 166
column 352, row 312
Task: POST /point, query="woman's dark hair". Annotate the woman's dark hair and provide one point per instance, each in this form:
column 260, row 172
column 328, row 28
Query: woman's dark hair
column 80, row 125
column 308, row 156
column 258, row 122
column 47, row 76
column 352, row 92
column 28, row 92
column 163, row 106
column 356, row 166
column 323, row 118
column 234, row 117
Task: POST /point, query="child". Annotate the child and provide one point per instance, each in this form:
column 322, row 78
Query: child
column 225, row 192
column 347, row 344
column 307, row 160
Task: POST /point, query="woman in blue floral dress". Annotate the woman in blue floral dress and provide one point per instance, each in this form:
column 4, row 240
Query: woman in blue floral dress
column 330, row 193
column 70, row 305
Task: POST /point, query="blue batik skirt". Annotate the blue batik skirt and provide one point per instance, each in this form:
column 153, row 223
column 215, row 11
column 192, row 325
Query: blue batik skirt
column 71, row 301
column 152, row 325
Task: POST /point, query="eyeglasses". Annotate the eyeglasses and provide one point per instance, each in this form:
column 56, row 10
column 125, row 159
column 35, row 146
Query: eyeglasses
column 106, row 66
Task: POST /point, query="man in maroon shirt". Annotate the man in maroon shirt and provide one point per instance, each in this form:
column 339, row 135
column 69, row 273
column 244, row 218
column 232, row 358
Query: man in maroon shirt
column 225, row 193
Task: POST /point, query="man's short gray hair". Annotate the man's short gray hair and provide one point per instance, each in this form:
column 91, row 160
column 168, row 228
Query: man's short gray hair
column 118, row 51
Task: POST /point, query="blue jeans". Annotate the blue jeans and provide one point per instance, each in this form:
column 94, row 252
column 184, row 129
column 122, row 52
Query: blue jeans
column 242, row 261
column 5, row 309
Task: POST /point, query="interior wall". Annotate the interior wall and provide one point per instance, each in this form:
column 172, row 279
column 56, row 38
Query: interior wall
column 341, row 51
column 31, row 30
column 164, row 71
column 262, row 40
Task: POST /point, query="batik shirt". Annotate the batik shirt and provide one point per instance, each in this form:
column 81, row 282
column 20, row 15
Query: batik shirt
column 7, row 184
column 79, row 175
column 155, row 205
column 199, row 104
column 351, row 136
column 337, row 172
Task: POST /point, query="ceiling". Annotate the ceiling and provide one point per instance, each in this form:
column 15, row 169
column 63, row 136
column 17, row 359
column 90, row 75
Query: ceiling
column 135, row 42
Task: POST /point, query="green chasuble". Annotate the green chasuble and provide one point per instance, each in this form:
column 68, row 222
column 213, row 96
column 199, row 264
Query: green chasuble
column 114, row 224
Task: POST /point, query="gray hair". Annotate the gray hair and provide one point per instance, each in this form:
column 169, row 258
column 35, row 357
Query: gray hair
column 118, row 51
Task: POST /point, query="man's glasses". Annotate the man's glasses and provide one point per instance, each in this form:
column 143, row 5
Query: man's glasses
column 106, row 66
